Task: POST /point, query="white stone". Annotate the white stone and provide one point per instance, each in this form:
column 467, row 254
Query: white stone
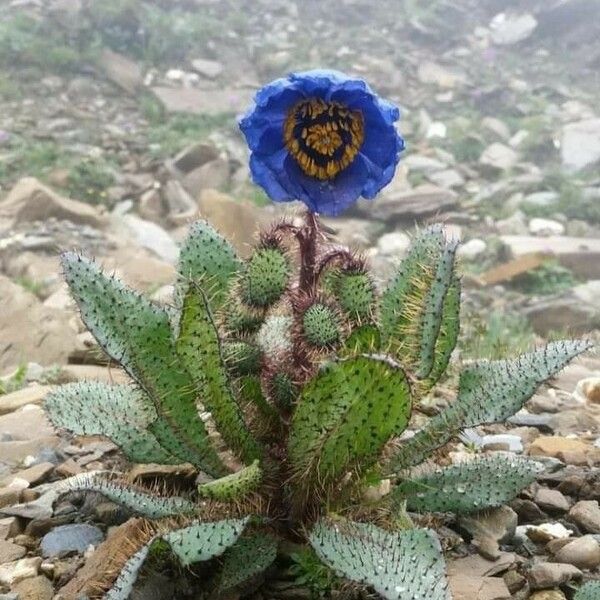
column 13, row 572
column 545, row 227
column 580, row 145
column 511, row 29
column 207, row 68
column 423, row 164
column 151, row 236
column 448, row 178
column 514, row 442
column 498, row 156
column 393, row 244
column 555, row 531
column 436, row 129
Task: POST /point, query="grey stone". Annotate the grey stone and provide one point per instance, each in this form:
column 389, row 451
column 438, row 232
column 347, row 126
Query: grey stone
column 508, row 29
column 580, row 145
column 545, row 575
column 583, row 553
column 498, row 156
column 152, row 237
column 586, row 515
column 551, row 501
column 203, row 102
column 421, row 201
column 66, row 539
column 207, row 68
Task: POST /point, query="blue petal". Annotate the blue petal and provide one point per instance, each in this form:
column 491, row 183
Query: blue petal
column 265, row 176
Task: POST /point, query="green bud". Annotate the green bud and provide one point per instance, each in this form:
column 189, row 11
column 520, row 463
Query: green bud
column 242, row 358
column 355, row 294
column 266, row 278
column 320, row 325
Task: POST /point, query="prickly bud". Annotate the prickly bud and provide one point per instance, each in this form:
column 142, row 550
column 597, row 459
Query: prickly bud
column 321, row 325
column 242, row 319
column 242, row 358
column 355, row 293
column 266, row 277
column 283, row 390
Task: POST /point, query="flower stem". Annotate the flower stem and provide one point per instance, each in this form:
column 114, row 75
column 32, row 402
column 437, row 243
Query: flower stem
column 307, row 239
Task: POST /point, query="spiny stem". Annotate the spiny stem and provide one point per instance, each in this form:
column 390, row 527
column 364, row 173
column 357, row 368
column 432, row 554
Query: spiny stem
column 307, row 239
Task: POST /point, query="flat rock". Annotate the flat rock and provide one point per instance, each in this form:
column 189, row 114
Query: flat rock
column 508, row 29
column 586, row 515
column 548, row 575
column 421, row 201
column 31, row 475
column 34, row 588
column 466, row 587
column 33, row 394
column 570, row 451
column 65, row 539
column 49, row 342
column 552, row 501
column 203, row 102
column 121, row 70
column 581, row 255
column 583, row 553
column 30, row 200
column 10, row 552
column 498, row 156
column 580, row 145
column 13, row 572
column 28, row 423
column 150, row 236
column 207, row 67
column 548, row 595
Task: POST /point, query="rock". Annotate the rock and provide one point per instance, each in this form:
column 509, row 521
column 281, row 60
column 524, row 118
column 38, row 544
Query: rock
column 180, row 205
column 356, row 233
column 152, row 237
column 499, row 157
column 583, row 553
column 13, row 572
column 138, row 269
column 421, row 201
column 30, row 200
column 436, row 74
column 466, row 587
column 150, row 205
column 9, row 495
column 207, row 68
column 567, row 312
column 587, row 390
column 513, row 225
column 502, row 441
column 509, row 29
column 449, row 178
column 64, row 539
column 83, row 582
column 547, row 575
column 236, row 220
column 191, row 158
column 500, row 128
column 9, row 527
column 472, row 249
column 41, row 508
column 33, row 394
column 490, row 528
column 50, row 341
column 545, row 227
column 393, row 244
column 10, row 552
column 423, row 164
column 30, row 476
column 548, row 595
column 35, row 588
column 580, row 144
column 581, row 255
column 586, row 515
column 570, row 451
column 203, row 102
column 211, row 175
column 552, row 501
column 541, row 199
column 121, row 70
column 542, row 534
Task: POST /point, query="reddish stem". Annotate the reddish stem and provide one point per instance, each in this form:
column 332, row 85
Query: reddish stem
column 307, row 240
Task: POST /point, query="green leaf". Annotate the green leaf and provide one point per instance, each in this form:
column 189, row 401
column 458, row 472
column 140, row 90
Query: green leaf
column 364, row 339
column 588, row 591
column 345, row 416
column 199, row 349
column 234, row 486
column 489, row 392
column 419, row 324
column 203, row 541
column 208, row 259
column 136, row 499
column 248, row 557
column 484, row 482
column 119, row 412
column 398, row 565
column 137, row 334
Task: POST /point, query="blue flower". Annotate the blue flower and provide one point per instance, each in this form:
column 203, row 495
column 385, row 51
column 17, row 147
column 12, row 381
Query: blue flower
column 323, row 138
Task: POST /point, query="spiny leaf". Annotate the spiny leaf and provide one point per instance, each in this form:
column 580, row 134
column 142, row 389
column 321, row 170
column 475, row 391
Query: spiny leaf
column 119, row 412
column 345, row 416
column 248, row 557
column 484, row 482
column 123, row 584
column 265, row 278
column 234, row 486
column 365, row 339
column 140, row 501
column 199, row 349
column 588, row 591
column 399, row 565
column 208, row 258
column 489, row 392
column 203, row 541
column 138, row 334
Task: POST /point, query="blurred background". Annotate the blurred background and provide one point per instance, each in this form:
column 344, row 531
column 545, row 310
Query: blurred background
column 118, row 127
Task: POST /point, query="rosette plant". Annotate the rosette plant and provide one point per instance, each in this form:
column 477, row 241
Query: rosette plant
column 287, row 381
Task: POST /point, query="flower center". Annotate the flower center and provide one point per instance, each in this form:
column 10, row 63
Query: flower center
column 323, row 137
